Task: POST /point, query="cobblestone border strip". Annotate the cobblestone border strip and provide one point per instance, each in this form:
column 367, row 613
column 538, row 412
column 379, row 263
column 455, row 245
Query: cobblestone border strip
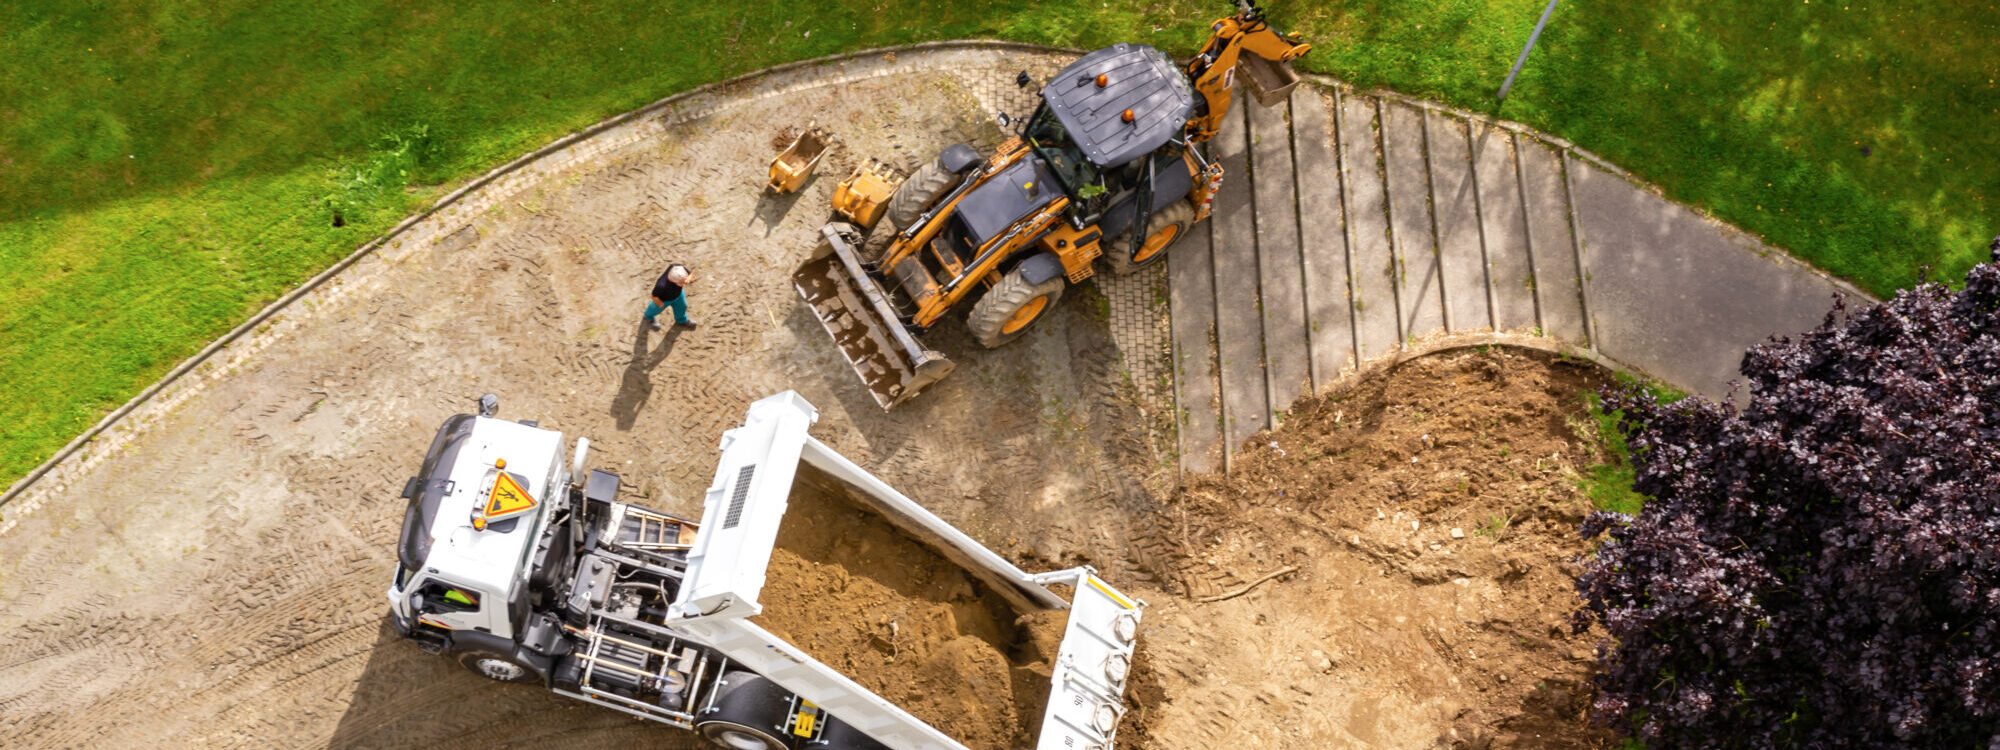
column 450, row 200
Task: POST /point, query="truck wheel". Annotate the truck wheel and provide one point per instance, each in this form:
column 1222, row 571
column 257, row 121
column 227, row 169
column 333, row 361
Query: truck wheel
column 919, row 193
column 493, row 666
column 1011, row 306
column 747, row 714
column 1167, row 226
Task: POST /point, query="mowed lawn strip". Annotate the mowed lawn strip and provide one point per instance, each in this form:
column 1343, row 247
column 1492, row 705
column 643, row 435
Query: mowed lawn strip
column 165, row 170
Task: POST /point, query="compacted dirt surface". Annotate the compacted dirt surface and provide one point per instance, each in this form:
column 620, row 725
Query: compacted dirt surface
column 216, row 577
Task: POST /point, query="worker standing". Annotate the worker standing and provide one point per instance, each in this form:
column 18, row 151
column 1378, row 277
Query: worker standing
column 670, row 291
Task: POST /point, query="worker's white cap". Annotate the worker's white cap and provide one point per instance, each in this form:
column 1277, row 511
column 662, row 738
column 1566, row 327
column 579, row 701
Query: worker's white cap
column 678, row 274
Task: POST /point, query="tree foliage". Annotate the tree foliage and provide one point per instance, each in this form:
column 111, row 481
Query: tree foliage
column 1820, row 568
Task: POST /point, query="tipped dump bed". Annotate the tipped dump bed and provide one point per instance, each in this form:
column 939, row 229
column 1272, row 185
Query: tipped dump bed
column 770, row 461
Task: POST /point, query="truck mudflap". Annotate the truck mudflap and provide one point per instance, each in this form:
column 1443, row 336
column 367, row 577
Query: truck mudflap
column 1086, row 694
column 856, row 312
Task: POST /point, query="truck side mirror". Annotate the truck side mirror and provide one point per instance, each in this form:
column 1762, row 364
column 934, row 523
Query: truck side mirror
column 417, row 603
column 489, row 405
column 1022, row 80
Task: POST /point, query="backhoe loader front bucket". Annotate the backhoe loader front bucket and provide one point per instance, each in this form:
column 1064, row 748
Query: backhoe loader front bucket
column 857, row 313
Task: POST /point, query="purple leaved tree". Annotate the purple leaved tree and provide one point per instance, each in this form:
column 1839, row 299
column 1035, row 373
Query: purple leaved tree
column 1820, row 568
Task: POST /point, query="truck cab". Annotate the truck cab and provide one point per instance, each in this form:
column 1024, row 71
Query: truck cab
column 481, row 500
column 528, row 569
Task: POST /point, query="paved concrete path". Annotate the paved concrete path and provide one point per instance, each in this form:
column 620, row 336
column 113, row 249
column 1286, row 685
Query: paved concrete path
column 1354, row 224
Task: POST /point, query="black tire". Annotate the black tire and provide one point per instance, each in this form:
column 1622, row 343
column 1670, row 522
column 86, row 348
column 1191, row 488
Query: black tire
column 1177, row 217
column 747, row 714
column 998, row 317
column 497, row 667
column 919, row 193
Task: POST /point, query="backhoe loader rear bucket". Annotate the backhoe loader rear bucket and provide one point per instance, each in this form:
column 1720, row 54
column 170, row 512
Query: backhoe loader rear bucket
column 856, row 311
column 1268, row 82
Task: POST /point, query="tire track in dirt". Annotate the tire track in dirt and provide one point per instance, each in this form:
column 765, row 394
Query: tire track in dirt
column 219, row 582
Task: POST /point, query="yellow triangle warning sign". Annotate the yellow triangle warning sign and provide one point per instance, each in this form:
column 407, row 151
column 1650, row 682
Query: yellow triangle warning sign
column 508, row 498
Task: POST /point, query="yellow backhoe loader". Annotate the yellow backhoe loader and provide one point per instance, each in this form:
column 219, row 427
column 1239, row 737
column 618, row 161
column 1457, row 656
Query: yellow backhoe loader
column 1116, row 143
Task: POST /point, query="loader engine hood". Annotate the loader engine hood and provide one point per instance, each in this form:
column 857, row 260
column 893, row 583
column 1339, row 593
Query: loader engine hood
column 1004, row 198
column 1134, row 77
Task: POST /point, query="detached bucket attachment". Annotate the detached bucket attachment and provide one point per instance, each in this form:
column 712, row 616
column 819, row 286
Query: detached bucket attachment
column 1268, row 82
column 796, row 162
column 856, row 312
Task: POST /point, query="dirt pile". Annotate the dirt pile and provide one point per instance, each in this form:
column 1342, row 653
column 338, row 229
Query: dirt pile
column 1429, row 520
column 885, row 610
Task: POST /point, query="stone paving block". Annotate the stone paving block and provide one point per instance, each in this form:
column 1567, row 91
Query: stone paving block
column 1461, row 258
column 1504, row 227
column 1323, row 237
column 1419, row 291
column 1238, row 329
column 1191, row 300
column 1377, row 326
column 1281, row 275
column 1678, row 295
column 1558, row 282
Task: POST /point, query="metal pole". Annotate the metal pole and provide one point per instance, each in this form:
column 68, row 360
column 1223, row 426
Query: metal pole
column 1523, row 59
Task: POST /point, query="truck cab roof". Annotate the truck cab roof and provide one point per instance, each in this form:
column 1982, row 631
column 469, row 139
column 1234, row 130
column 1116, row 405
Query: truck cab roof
column 1134, row 77
column 457, row 481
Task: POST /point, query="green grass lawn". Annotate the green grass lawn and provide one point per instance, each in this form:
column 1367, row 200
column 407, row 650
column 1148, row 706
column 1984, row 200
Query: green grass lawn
column 168, row 168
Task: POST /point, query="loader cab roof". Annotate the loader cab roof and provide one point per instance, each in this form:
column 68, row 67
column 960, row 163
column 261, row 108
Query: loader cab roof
column 1136, row 77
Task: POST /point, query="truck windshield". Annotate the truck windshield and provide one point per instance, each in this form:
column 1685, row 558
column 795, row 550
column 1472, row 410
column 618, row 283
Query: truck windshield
column 1051, row 141
column 435, row 479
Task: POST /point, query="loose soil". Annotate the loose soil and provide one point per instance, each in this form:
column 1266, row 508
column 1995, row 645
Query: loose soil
column 857, row 593
column 213, row 575
column 1430, row 517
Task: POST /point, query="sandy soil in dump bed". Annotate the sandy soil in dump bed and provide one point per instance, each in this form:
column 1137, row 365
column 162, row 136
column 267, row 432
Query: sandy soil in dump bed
column 885, row 610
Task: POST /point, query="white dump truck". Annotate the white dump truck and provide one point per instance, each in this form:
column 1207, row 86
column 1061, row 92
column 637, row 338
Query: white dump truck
column 528, row 568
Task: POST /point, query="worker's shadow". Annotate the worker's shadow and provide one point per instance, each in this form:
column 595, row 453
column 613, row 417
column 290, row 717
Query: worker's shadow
column 636, row 385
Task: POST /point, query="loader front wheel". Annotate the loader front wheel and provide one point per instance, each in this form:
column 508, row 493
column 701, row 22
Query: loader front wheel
column 919, row 193
column 1167, row 226
column 1011, row 306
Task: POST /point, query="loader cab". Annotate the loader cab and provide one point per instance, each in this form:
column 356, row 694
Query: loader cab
column 1109, row 127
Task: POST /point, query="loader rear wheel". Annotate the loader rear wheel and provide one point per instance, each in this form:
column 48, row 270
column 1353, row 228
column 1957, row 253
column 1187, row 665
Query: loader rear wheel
column 919, row 193
column 493, row 666
column 1168, row 225
column 1011, row 306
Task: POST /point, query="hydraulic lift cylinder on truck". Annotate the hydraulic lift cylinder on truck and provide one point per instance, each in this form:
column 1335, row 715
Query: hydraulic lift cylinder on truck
column 528, row 569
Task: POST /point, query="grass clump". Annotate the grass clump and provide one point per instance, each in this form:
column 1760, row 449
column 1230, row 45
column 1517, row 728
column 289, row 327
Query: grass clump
column 1608, row 481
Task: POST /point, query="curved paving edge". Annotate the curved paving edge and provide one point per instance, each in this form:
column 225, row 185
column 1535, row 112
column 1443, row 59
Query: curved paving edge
column 1137, row 327
column 1373, row 222
column 452, row 211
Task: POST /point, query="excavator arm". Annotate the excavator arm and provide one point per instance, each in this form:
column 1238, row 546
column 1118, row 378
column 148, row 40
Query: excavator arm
column 1265, row 54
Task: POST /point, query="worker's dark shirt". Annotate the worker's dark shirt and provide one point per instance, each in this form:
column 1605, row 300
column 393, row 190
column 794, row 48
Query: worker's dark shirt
column 665, row 289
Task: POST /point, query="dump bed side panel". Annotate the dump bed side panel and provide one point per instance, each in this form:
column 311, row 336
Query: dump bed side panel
column 757, row 649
